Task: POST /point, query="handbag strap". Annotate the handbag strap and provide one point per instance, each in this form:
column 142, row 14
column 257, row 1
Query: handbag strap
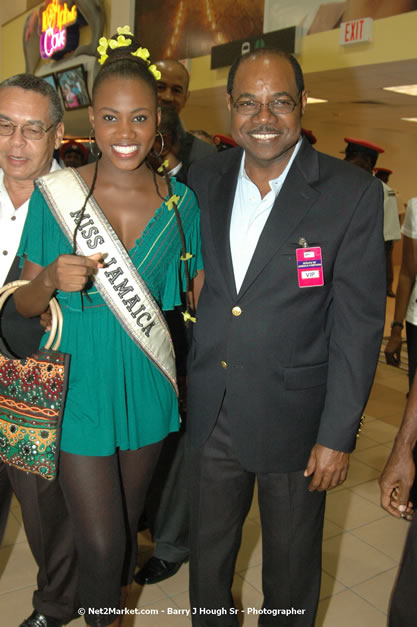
column 55, row 334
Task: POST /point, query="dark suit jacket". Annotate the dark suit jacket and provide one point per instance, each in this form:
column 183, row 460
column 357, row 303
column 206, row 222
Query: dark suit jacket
column 297, row 365
column 192, row 150
column 18, row 336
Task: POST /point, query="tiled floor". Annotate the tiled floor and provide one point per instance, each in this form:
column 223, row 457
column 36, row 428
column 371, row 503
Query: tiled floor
column 361, row 550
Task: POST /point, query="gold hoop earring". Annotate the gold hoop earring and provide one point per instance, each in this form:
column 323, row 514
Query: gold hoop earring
column 158, row 154
column 94, row 149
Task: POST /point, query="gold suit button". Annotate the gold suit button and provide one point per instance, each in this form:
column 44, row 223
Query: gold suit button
column 224, row 364
column 236, row 311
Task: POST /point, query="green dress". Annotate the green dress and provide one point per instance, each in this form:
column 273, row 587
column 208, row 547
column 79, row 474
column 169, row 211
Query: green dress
column 116, row 397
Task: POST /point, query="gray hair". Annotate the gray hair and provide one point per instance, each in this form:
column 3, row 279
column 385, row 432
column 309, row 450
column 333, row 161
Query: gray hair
column 29, row 82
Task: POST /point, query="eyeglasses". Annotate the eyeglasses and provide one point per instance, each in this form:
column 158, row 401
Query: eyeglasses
column 276, row 107
column 29, row 131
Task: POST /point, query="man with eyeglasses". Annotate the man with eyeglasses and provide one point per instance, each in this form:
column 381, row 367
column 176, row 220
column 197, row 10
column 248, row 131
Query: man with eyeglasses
column 288, row 331
column 30, row 129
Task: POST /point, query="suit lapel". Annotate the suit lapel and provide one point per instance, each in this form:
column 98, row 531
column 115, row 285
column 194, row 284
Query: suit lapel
column 221, row 198
column 293, row 203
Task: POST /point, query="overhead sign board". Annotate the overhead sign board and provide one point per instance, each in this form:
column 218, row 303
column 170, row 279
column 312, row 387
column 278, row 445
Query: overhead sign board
column 55, row 19
column 356, row 31
column 225, row 54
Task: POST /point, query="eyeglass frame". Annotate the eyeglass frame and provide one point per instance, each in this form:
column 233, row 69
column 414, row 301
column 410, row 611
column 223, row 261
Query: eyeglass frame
column 265, row 104
column 22, row 126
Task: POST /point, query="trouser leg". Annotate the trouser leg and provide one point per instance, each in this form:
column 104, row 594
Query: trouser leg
column 411, row 332
column 49, row 534
column 221, row 495
column 167, row 509
column 403, row 610
column 5, row 498
column 389, row 269
column 292, row 529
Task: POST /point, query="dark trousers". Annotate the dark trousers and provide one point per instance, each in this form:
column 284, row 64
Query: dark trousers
column 49, row 535
column 411, row 333
column 291, row 523
column 403, row 611
column 5, row 498
column 167, row 501
column 389, row 269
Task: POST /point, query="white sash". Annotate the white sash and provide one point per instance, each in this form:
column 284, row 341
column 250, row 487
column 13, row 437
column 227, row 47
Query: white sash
column 119, row 283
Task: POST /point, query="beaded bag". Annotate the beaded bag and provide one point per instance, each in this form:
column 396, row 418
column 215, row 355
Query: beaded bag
column 32, row 398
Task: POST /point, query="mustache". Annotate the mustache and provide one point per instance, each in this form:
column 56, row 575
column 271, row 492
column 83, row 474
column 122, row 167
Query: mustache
column 264, row 129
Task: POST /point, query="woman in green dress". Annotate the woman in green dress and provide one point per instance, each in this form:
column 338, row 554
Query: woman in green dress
column 120, row 404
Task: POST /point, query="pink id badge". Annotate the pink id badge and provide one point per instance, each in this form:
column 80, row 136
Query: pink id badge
column 309, row 267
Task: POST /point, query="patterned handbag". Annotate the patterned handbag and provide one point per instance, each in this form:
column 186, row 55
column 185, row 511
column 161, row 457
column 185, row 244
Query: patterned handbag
column 32, row 398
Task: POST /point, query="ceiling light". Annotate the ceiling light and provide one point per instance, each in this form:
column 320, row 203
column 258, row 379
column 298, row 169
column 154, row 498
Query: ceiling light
column 410, row 119
column 409, row 90
column 315, row 100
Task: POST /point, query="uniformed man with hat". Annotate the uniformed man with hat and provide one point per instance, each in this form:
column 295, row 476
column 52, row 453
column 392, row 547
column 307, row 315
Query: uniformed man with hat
column 365, row 154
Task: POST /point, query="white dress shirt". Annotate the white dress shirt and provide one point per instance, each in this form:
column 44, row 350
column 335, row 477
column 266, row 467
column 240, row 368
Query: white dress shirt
column 392, row 229
column 249, row 215
column 11, row 226
column 409, row 228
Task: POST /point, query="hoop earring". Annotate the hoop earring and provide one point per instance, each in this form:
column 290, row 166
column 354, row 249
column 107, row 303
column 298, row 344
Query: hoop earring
column 94, row 149
column 158, row 154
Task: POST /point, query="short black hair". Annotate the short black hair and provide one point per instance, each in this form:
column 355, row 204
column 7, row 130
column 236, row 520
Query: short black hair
column 122, row 63
column 362, row 159
column 298, row 72
column 29, row 82
column 181, row 66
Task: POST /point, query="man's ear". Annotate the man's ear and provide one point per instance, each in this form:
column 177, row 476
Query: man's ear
column 303, row 101
column 229, row 102
column 59, row 134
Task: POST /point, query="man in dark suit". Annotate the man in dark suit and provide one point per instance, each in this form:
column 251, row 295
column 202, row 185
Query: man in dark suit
column 289, row 325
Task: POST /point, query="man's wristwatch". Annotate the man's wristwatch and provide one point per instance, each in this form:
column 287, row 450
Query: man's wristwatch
column 395, row 323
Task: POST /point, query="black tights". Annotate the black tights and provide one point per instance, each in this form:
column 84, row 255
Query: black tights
column 105, row 497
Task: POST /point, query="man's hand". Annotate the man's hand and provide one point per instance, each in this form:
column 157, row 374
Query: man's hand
column 328, row 467
column 393, row 351
column 46, row 320
column 396, row 481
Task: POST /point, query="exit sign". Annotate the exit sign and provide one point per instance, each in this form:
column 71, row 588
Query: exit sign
column 356, row 31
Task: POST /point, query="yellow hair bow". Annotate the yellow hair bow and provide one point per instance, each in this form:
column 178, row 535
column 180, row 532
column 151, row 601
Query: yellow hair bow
column 187, row 316
column 164, row 165
column 102, row 49
column 186, row 257
column 171, row 201
column 125, row 30
column 142, row 53
column 154, row 70
column 120, row 42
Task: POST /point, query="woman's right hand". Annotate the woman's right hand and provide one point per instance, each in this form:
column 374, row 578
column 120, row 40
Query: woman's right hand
column 70, row 273
column 393, row 351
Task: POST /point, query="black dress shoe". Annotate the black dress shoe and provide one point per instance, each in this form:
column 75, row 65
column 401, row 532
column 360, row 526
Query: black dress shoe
column 40, row 620
column 156, row 570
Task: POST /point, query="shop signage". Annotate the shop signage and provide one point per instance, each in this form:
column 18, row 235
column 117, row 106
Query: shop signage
column 356, row 31
column 55, row 19
column 225, row 54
